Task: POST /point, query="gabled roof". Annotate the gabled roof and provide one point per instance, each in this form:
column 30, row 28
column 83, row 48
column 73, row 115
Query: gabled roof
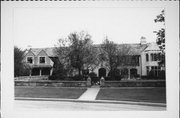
column 130, row 49
column 133, row 49
column 49, row 51
column 152, row 47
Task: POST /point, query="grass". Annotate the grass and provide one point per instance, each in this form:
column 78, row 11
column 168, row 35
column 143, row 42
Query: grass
column 154, row 95
column 49, row 92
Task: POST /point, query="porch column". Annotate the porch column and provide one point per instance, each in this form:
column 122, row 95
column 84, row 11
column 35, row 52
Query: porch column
column 30, row 72
column 40, row 72
column 129, row 73
column 51, row 70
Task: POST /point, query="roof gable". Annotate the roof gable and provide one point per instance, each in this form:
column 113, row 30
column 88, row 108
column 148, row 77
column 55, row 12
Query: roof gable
column 49, row 51
column 152, row 47
column 42, row 53
column 29, row 53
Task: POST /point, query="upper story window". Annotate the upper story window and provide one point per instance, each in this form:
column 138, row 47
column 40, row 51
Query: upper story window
column 147, row 57
column 155, row 56
column 42, row 60
column 30, row 60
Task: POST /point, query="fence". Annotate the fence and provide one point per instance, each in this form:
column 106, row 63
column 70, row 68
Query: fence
column 135, row 83
column 32, row 78
column 50, row 83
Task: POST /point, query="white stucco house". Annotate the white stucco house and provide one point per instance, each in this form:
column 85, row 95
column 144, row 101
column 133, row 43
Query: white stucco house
column 145, row 55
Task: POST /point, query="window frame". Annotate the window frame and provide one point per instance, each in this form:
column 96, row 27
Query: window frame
column 32, row 59
column 39, row 59
column 156, row 70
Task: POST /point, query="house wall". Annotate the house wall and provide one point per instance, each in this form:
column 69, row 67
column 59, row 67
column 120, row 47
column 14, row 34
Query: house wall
column 29, row 54
column 148, row 63
column 48, row 61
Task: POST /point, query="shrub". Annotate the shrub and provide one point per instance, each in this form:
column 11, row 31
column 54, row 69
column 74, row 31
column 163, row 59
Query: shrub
column 78, row 78
column 92, row 74
column 162, row 74
column 114, row 74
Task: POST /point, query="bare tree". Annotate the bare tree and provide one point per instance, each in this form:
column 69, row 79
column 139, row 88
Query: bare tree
column 76, row 51
column 109, row 53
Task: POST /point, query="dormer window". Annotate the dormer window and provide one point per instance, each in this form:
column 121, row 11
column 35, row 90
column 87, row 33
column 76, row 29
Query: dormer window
column 42, row 60
column 30, row 60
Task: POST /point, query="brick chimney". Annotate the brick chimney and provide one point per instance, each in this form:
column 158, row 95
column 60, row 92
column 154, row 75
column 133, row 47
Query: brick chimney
column 143, row 40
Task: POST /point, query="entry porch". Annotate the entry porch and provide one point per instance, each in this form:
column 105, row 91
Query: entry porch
column 41, row 71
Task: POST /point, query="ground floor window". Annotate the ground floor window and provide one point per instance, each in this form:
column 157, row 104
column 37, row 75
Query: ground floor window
column 153, row 71
column 133, row 72
column 147, row 70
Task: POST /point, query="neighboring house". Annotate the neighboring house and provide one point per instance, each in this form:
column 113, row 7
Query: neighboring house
column 40, row 60
column 143, row 58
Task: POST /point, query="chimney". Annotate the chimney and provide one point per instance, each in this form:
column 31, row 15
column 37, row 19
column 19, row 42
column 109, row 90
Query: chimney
column 143, row 40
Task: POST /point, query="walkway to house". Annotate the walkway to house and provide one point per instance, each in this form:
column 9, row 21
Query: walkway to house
column 90, row 93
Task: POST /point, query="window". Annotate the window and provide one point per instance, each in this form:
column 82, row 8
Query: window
column 41, row 60
column 30, row 60
column 147, row 57
column 154, row 56
column 156, row 70
column 147, row 70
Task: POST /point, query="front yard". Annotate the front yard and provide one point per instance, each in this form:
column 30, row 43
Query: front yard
column 135, row 94
column 49, row 92
column 155, row 95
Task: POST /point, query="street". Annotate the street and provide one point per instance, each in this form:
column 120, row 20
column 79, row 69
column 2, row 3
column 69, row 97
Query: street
column 79, row 106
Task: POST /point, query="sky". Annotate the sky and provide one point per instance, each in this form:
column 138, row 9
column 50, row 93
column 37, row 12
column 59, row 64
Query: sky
column 42, row 27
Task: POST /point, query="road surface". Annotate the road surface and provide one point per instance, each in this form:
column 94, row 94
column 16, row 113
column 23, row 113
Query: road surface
column 79, row 106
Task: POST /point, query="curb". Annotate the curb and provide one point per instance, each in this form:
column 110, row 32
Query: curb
column 93, row 101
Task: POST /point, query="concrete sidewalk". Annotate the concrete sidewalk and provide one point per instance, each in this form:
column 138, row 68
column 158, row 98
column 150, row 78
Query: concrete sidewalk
column 90, row 94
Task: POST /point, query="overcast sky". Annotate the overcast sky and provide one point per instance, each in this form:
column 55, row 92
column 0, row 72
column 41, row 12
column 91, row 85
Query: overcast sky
column 42, row 27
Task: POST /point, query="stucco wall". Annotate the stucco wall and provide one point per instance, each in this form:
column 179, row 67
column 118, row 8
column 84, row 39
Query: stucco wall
column 147, row 63
column 48, row 61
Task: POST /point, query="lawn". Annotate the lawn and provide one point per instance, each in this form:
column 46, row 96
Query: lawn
column 155, row 95
column 49, row 92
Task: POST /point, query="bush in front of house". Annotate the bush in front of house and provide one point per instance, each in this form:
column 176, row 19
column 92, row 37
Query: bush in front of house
column 78, row 78
column 92, row 74
column 114, row 75
column 162, row 74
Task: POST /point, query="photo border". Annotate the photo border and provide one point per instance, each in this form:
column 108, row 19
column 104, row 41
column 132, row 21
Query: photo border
column 172, row 59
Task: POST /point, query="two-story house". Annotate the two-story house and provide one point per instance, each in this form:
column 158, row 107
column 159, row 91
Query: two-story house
column 141, row 58
column 40, row 60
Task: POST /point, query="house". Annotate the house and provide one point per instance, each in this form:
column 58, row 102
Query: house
column 142, row 58
column 41, row 61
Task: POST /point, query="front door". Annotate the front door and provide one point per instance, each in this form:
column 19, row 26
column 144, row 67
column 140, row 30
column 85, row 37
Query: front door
column 102, row 72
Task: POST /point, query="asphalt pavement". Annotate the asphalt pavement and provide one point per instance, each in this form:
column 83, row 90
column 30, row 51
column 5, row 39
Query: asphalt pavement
column 29, row 105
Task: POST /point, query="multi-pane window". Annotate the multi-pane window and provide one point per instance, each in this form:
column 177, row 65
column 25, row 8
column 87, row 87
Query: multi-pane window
column 155, row 56
column 42, row 60
column 155, row 70
column 30, row 60
column 147, row 70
